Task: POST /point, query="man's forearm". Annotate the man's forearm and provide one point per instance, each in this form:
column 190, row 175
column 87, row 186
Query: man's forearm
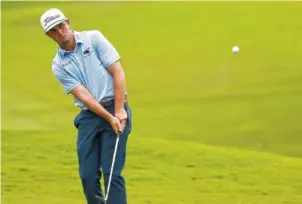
column 119, row 82
column 85, row 97
column 119, row 90
column 97, row 108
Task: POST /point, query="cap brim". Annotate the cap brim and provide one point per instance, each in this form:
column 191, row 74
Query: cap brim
column 54, row 24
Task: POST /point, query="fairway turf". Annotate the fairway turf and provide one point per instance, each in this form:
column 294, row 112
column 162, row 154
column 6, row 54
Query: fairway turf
column 208, row 126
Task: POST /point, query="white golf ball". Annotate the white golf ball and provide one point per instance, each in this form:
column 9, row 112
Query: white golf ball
column 235, row 49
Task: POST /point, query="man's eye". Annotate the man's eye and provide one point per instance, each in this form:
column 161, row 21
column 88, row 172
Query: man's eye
column 61, row 24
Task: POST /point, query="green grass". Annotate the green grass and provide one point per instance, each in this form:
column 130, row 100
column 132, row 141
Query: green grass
column 208, row 126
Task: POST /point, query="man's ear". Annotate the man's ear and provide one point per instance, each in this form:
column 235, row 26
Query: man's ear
column 67, row 21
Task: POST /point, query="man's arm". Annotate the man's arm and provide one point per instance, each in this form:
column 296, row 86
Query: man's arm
column 72, row 86
column 81, row 93
column 118, row 76
column 109, row 57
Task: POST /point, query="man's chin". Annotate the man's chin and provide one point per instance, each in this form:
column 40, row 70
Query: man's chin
column 64, row 43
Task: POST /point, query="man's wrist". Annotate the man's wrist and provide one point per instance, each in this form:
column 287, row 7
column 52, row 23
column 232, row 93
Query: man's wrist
column 119, row 104
column 106, row 115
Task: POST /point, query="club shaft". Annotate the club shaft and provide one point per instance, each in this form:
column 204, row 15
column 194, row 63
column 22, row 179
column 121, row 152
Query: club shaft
column 112, row 167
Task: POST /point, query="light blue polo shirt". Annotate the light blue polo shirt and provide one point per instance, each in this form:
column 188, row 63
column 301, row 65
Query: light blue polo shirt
column 87, row 65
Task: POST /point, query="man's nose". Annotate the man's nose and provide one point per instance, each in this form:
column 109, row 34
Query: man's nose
column 60, row 31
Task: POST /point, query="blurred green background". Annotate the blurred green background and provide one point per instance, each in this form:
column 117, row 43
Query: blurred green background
column 209, row 126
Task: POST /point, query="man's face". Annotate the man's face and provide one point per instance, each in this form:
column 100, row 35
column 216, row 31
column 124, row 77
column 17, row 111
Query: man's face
column 61, row 33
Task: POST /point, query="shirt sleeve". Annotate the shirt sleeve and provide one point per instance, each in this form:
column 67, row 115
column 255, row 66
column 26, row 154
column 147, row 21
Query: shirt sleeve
column 106, row 52
column 66, row 80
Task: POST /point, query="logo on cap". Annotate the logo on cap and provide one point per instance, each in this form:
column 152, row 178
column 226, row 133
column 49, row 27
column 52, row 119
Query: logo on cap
column 51, row 18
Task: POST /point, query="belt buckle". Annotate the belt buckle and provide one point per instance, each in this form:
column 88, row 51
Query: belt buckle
column 107, row 103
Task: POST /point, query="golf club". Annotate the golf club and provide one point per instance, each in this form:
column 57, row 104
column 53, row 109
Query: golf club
column 112, row 166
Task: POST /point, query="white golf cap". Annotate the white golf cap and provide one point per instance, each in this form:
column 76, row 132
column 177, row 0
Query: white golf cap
column 51, row 18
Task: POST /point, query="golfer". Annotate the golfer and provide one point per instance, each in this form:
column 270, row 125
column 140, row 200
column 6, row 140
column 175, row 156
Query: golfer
column 87, row 66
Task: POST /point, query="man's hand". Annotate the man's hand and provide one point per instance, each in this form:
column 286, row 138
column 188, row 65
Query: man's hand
column 116, row 125
column 121, row 114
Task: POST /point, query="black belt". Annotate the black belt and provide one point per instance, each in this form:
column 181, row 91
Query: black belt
column 109, row 103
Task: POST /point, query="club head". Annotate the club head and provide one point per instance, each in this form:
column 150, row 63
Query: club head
column 101, row 200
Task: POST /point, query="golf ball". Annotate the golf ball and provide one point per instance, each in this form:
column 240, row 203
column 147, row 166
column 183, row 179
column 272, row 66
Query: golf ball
column 235, row 49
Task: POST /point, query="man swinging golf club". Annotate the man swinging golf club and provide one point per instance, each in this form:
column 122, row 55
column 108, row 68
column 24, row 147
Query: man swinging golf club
column 87, row 66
